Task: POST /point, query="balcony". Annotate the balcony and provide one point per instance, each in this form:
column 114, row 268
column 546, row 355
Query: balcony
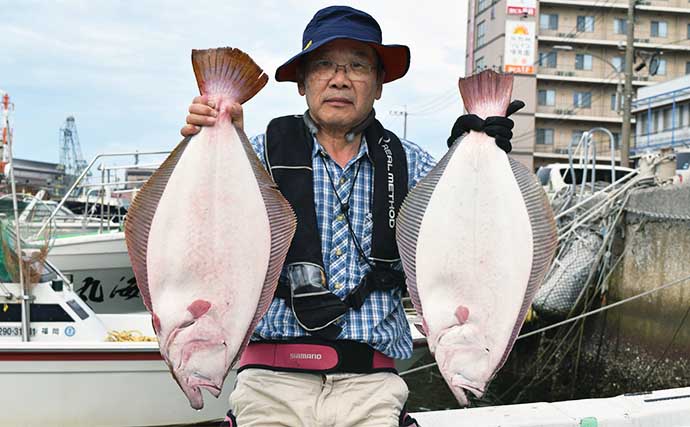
column 582, row 39
column 568, row 72
column 679, row 137
column 672, row 6
column 559, row 150
column 596, row 113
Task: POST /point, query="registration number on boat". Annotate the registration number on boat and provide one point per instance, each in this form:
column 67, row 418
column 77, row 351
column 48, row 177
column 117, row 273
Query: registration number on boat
column 10, row 331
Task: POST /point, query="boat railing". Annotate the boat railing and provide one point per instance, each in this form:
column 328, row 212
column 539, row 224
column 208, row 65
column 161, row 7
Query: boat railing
column 106, row 176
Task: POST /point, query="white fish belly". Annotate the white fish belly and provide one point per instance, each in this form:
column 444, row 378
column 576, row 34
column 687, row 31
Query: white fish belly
column 210, row 237
column 475, row 247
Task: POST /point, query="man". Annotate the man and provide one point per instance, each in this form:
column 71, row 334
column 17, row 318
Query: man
column 323, row 353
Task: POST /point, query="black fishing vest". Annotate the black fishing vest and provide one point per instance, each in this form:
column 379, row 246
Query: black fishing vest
column 304, row 287
column 288, row 154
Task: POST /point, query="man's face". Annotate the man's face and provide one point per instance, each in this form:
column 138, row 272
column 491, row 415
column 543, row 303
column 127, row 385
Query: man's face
column 341, row 101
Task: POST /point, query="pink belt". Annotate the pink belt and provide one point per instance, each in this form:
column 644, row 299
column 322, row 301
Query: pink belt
column 321, row 358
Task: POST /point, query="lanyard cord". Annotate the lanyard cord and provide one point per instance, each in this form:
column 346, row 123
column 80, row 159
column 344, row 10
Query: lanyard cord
column 345, row 207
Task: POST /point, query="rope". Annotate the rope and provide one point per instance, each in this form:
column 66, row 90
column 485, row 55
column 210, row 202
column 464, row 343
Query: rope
column 573, row 319
column 130, row 335
column 599, row 310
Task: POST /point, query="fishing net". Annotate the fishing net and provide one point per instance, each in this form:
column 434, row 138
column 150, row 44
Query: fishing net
column 32, row 259
column 562, row 287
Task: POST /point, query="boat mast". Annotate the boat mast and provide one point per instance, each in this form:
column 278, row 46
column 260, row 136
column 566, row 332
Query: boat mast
column 9, row 164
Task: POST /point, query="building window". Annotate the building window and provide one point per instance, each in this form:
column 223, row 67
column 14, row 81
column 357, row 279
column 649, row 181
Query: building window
column 544, row 136
column 620, row 26
column 667, row 118
column 481, row 33
column 678, row 116
column 643, row 123
column 614, row 102
column 583, row 61
column 479, row 64
column 548, row 21
column 656, row 121
column 616, row 140
column 575, row 137
column 548, row 59
column 546, row 97
column 661, row 71
column 687, row 68
column 617, row 62
column 482, row 4
column 659, row 29
column 688, row 31
column 582, row 99
column 585, row 24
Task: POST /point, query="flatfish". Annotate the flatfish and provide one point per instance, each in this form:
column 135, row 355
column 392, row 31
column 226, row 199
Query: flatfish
column 476, row 237
column 208, row 234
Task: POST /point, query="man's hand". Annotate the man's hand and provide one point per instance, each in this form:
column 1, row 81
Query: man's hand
column 203, row 112
column 500, row 128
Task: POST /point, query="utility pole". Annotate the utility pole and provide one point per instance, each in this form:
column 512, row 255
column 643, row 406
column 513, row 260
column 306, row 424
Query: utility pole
column 628, row 91
column 404, row 114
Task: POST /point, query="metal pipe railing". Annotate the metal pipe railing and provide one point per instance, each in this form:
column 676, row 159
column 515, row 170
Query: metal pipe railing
column 86, row 171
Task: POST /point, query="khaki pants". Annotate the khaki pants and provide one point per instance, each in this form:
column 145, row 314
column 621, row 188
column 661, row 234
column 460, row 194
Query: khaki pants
column 264, row 398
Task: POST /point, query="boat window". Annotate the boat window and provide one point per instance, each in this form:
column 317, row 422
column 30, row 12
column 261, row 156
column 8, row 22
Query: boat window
column 602, row 175
column 543, row 174
column 37, row 313
column 77, row 309
column 683, row 161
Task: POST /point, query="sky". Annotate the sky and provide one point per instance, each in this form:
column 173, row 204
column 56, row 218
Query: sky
column 123, row 68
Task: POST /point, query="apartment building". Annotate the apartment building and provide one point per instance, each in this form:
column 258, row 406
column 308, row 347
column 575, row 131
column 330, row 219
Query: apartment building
column 572, row 72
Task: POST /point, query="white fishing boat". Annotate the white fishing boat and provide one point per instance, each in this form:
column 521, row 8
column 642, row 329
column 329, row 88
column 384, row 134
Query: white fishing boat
column 68, row 374
column 89, row 249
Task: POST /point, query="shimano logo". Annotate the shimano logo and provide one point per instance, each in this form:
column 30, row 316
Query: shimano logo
column 311, row 356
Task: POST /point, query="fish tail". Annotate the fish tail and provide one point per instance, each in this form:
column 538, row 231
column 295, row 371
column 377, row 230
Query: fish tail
column 487, row 93
column 227, row 71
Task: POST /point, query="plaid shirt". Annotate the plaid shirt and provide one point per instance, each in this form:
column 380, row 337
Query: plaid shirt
column 381, row 321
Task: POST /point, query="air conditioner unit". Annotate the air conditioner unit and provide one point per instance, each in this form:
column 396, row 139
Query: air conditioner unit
column 565, row 111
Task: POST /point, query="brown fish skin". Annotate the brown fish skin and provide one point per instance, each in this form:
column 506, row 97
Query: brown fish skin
column 207, row 292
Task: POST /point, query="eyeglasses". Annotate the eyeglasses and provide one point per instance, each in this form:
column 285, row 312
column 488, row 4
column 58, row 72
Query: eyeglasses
column 324, row 69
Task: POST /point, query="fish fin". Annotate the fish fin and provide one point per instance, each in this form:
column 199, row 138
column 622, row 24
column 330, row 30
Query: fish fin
column 487, row 93
column 410, row 221
column 227, row 71
column 283, row 223
column 420, row 328
column 140, row 216
column 544, row 239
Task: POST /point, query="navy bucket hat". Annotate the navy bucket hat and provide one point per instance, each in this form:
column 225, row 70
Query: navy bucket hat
column 342, row 22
